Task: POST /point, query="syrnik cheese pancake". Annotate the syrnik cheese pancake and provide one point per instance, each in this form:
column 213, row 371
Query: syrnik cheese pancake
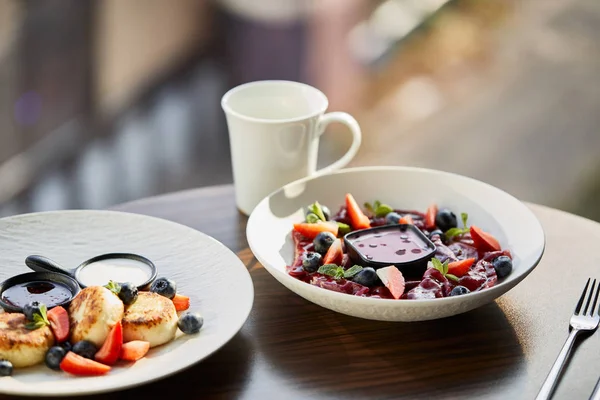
column 21, row 346
column 151, row 318
column 93, row 313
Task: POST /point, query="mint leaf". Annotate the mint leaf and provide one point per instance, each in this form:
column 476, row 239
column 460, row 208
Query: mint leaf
column 437, row 264
column 312, row 218
column 113, row 287
column 331, row 270
column 317, row 210
column 452, row 232
column 369, row 208
column 32, row 326
column 382, row 210
column 376, row 204
column 452, row 277
column 343, row 229
column 350, row 272
column 39, row 319
column 43, row 314
column 464, row 217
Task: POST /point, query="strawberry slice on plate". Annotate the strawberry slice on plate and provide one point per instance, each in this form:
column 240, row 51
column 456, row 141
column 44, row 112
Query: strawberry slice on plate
column 59, row 323
column 357, row 216
column 134, row 350
column 181, row 302
column 77, row 365
column 110, row 351
column 484, row 241
column 407, row 220
column 310, row 231
column 430, row 216
column 393, row 279
column 335, row 254
column 460, row 268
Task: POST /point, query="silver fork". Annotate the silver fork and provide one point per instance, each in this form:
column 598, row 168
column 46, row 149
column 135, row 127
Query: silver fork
column 582, row 320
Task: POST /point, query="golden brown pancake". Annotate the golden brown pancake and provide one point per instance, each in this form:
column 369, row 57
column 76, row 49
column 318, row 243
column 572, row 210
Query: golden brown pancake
column 151, row 318
column 21, row 346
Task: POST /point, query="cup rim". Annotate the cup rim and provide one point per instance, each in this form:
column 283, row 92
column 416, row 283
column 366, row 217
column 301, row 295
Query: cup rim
column 232, row 91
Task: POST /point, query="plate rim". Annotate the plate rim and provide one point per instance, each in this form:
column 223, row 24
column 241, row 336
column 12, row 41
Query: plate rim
column 129, row 385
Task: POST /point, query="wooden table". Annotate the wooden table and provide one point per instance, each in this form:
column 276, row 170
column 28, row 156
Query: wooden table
column 292, row 349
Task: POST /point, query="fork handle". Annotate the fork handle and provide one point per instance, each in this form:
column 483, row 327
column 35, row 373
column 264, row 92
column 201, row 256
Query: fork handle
column 552, row 378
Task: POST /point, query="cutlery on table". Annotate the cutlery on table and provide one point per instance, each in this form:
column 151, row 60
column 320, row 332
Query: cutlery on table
column 584, row 319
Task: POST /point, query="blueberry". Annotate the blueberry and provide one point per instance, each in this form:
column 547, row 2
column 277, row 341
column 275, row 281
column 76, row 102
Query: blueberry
column 326, row 212
column 6, row 368
column 190, row 323
column 445, row 219
column 128, row 293
column 366, row 277
column 435, row 232
column 67, row 346
column 323, row 242
column 85, row 349
column 54, row 356
column 392, row 218
column 164, row 287
column 30, row 309
column 503, row 266
column 311, row 261
column 459, row 290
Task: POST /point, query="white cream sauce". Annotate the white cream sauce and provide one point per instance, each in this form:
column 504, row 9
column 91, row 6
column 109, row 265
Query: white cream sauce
column 116, row 269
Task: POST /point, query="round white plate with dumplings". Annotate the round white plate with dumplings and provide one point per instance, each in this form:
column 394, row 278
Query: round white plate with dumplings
column 217, row 282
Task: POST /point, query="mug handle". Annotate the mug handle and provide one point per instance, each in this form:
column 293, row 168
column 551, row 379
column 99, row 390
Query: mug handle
column 351, row 123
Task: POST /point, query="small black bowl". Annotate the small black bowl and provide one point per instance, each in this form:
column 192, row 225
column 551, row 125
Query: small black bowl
column 413, row 268
column 52, row 277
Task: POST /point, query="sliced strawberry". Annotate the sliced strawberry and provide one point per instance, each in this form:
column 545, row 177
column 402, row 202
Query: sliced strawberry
column 181, row 302
column 310, row 231
column 357, row 217
column 460, row 268
column 110, row 351
column 407, row 219
column 393, row 279
column 78, row 365
column 484, row 241
column 430, row 216
column 59, row 323
column 134, row 350
column 335, row 254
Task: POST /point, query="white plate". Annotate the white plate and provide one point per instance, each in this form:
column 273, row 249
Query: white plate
column 509, row 220
column 217, row 282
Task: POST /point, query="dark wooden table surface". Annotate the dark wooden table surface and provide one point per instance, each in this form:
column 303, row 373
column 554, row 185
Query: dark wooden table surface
column 292, row 349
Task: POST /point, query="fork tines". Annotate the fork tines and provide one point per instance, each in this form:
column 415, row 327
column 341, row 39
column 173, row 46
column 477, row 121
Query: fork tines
column 588, row 294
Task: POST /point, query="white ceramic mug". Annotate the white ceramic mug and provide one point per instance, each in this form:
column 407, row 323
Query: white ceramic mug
column 274, row 129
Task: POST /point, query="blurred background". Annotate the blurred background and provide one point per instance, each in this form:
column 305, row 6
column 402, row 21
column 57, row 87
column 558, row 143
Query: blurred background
column 107, row 101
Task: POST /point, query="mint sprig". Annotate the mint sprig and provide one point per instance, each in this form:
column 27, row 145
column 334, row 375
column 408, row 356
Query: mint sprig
column 312, row 218
column 317, row 210
column 39, row 319
column 113, row 287
column 452, row 232
column 443, row 268
column 332, row 270
column 378, row 209
column 338, row 272
column 350, row 272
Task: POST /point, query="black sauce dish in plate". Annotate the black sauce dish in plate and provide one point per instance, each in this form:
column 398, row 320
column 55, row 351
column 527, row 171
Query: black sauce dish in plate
column 50, row 288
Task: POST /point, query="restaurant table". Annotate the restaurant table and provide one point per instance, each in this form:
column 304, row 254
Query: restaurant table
column 290, row 348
